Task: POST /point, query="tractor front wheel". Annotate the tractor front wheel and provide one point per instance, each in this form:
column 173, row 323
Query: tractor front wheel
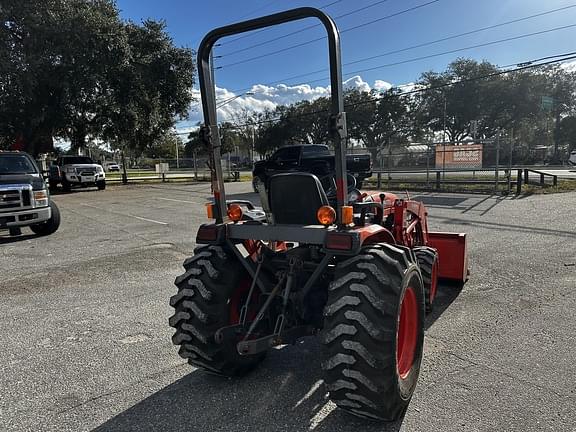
column 373, row 332
column 428, row 262
column 210, row 295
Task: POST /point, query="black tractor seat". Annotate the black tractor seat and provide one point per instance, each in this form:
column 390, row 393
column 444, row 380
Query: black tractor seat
column 295, row 198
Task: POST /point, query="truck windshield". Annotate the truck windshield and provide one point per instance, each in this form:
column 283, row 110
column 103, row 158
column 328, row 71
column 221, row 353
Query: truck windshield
column 16, row 164
column 77, row 160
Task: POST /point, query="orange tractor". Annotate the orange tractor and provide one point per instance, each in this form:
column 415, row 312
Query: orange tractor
column 320, row 257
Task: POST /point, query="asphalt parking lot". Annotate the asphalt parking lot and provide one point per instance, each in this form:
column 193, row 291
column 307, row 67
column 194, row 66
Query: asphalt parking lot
column 86, row 343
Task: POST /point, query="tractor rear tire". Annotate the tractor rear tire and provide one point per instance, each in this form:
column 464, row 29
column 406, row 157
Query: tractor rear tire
column 427, row 258
column 374, row 332
column 203, row 304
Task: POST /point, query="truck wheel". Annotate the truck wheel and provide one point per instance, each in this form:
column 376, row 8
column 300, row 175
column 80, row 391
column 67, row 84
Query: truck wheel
column 52, row 186
column 101, row 185
column 51, row 225
column 210, row 297
column 427, row 258
column 66, row 185
column 373, row 332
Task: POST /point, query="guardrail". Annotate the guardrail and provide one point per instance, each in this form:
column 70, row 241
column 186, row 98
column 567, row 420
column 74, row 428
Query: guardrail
column 542, row 176
column 486, row 179
column 144, row 176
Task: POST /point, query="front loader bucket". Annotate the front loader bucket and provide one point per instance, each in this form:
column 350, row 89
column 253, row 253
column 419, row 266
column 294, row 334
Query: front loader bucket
column 452, row 255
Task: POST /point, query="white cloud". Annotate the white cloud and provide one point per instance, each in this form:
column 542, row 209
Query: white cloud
column 569, row 66
column 263, row 97
column 357, row 83
column 382, row 85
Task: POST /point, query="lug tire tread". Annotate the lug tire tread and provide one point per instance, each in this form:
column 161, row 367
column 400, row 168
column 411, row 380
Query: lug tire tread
column 426, row 257
column 359, row 335
column 201, row 308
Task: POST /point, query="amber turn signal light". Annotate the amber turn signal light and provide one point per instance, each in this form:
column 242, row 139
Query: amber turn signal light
column 210, row 210
column 347, row 215
column 235, row 212
column 326, row 215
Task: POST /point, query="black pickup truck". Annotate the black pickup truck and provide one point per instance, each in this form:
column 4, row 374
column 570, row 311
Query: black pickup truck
column 314, row 158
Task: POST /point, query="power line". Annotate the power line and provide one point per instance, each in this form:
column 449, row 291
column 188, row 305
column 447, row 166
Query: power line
column 304, row 28
column 245, row 15
column 444, row 39
column 250, row 34
column 350, row 74
column 256, row 10
column 531, row 64
column 324, row 37
column 526, row 65
column 461, row 49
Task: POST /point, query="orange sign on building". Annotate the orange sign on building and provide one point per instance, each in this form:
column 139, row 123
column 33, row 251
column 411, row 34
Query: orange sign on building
column 459, row 156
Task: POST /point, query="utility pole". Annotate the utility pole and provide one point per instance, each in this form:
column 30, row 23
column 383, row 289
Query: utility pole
column 510, row 160
column 444, row 140
column 253, row 144
column 497, row 160
column 177, row 159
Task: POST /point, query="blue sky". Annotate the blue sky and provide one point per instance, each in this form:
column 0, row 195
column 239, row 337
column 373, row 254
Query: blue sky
column 188, row 21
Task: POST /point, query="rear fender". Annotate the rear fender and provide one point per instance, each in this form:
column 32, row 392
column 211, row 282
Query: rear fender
column 371, row 234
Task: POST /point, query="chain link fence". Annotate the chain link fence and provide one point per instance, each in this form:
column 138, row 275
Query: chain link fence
column 488, row 166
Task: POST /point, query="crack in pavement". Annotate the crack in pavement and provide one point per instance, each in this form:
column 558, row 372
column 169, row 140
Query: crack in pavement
column 501, row 372
column 117, row 390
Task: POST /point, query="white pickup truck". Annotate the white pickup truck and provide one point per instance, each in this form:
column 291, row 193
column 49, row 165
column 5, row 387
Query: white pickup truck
column 76, row 171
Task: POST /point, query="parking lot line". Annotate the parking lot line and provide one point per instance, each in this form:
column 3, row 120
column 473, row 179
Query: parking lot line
column 126, row 214
column 179, row 200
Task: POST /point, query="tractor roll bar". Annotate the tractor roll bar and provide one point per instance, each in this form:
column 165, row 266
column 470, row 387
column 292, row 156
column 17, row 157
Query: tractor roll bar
column 209, row 132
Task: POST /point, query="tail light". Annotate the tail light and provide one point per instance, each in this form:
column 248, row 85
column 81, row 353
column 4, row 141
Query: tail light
column 339, row 241
column 211, row 234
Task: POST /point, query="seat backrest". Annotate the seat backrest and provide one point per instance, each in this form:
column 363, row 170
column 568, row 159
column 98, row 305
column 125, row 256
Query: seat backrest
column 295, row 198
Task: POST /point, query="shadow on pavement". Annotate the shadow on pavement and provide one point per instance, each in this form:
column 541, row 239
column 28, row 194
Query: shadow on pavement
column 284, row 394
column 447, row 293
column 75, row 190
column 505, row 227
column 5, row 238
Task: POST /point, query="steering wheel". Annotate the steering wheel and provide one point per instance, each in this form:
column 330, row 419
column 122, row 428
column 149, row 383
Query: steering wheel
column 329, row 184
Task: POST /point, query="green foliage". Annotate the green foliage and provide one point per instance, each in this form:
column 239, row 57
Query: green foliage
column 73, row 69
column 229, row 139
column 164, row 147
column 150, row 87
column 566, row 133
